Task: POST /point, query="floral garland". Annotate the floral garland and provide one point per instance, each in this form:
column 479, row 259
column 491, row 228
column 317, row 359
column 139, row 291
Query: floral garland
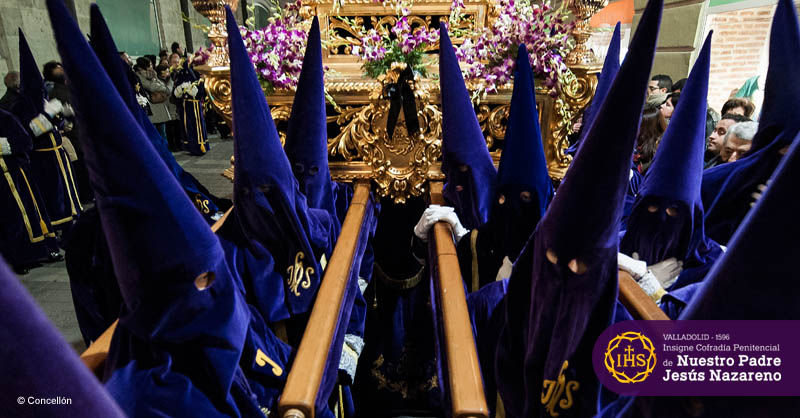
column 401, row 43
column 490, row 54
column 277, row 50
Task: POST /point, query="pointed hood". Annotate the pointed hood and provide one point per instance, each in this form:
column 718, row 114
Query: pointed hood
column 781, row 89
column 604, row 80
column 272, row 212
column 764, row 243
column 31, row 83
column 36, row 361
column 562, row 292
column 307, row 134
column 466, row 161
column 107, row 52
column 674, row 180
column 180, row 298
column 166, row 234
column 523, row 182
column 586, row 210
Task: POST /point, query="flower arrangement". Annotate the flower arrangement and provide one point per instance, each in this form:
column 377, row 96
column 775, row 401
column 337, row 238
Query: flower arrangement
column 402, row 43
column 277, row 50
column 202, row 55
column 490, row 54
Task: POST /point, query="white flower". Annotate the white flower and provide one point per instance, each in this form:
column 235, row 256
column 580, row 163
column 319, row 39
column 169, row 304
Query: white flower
column 141, row 100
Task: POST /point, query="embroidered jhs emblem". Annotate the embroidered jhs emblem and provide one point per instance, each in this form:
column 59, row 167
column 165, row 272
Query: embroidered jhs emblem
column 299, row 276
column 553, row 389
column 202, row 204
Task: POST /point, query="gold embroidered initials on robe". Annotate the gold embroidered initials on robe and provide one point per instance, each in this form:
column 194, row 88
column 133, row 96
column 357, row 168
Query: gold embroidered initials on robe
column 552, row 390
column 299, row 276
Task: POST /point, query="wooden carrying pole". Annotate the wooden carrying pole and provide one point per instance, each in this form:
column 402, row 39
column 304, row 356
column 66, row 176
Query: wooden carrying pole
column 464, row 373
column 639, row 303
column 302, row 383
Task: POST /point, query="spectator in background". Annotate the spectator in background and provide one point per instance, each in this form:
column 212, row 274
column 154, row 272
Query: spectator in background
column 717, row 137
column 163, row 57
column 738, row 141
column 126, row 58
column 170, row 128
column 678, row 85
column 11, row 80
column 152, row 59
column 174, row 60
column 661, row 102
column 651, row 129
column 739, row 106
column 660, row 83
column 156, row 92
column 177, row 49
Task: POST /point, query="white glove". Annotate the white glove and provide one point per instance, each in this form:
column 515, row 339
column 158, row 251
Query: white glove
column 5, row 146
column 635, row 268
column 68, row 111
column 458, row 230
column 667, row 271
column 193, row 91
column 436, row 213
column 53, row 107
column 652, row 287
column 142, row 100
column 40, row 125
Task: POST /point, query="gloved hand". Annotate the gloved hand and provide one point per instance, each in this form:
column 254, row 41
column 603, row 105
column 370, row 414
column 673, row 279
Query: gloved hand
column 458, row 230
column 635, row 268
column 68, row 111
column 5, row 146
column 667, row 271
column 53, row 107
column 652, row 287
column 436, row 213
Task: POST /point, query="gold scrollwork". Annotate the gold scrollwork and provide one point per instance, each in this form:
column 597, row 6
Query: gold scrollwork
column 218, row 86
column 299, row 276
column 399, row 164
column 553, row 389
column 575, row 96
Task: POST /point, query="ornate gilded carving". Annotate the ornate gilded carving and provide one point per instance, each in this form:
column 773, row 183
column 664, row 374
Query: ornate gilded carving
column 359, row 146
column 218, row 87
column 576, row 95
column 583, row 11
column 214, row 11
column 399, row 164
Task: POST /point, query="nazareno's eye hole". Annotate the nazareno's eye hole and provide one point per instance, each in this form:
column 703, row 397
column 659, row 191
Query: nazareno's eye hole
column 577, row 266
column 463, row 168
column 205, row 280
column 313, row 170
column 672, row 211
column 501, row 199
column 264, row 188
column 525, row 196
column 551, row 256
column 652, row 208
column 298, row 168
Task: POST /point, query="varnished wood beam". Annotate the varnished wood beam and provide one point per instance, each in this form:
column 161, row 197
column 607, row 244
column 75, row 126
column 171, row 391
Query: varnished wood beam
column 302, row 384
column 464, row 373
